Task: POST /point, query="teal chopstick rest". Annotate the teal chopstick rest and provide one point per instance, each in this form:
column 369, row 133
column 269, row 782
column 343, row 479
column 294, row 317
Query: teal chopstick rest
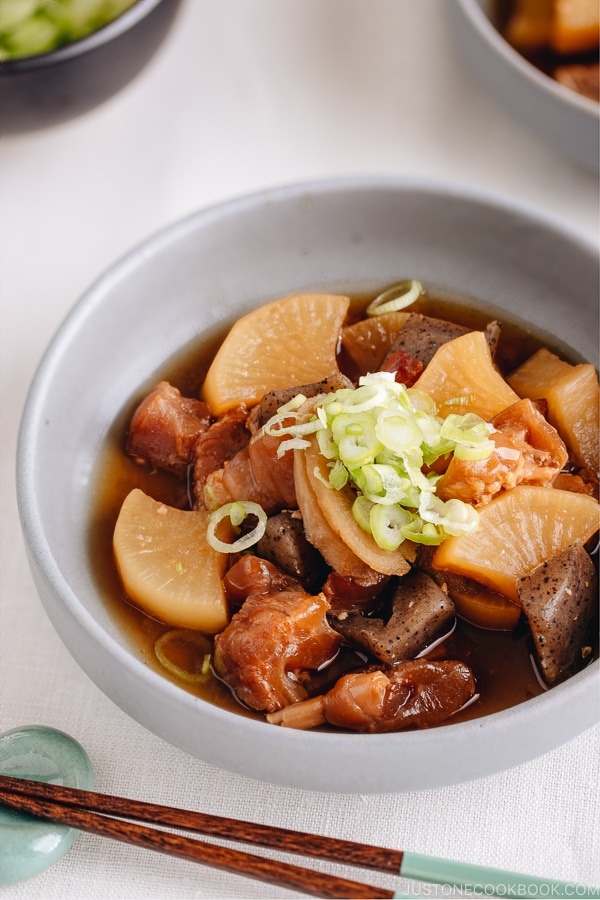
column 29, row 845
column 487, row 882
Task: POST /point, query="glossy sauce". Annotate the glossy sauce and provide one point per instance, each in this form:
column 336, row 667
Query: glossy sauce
column 500, row 660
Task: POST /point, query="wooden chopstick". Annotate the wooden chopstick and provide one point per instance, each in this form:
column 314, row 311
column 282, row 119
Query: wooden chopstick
column 32, row 801
column 287, row 840
column 95, row 812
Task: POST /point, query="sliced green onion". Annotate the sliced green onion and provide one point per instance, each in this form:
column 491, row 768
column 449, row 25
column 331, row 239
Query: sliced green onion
column 388, row 381
column 431, row 454
column 338, row 477
column 423, row 533
column 357, row 451
column 399, row 296
column 469, row 427
column 361, row 509
column 387, row 523
column 209, row 497
column 411, row 496
column 380, row 438
column 454, row 516
column 359, row 423
column 292, row 405
column 191, row 648
column 327, row 446
column 470, row 433
column 276, row 427
column 369, row 481
column 295, row 443
column 420, row 401
column 399, row 431
column 393, row 486
column 365, row 397
column 430, row 428
column 474, row 452
column 236, row 512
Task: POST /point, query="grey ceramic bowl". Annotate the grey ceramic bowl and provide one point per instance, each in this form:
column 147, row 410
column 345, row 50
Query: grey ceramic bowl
column 212, row 267
column 568, row 121
column 37, row 91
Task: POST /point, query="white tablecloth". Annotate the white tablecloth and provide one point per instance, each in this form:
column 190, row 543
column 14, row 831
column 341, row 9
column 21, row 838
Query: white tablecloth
column 247, row 94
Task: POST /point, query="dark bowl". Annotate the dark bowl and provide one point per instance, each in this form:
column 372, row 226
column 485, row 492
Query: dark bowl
column 37, row 91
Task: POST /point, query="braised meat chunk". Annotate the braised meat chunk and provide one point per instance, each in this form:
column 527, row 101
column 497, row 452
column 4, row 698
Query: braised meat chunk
column 255, row 473
column 270, row 643
column 218, row 444
column 252, row 575
column 361, row 594
column 416, row 694
column 528, row 450
column 165, row 427
column 405, row 367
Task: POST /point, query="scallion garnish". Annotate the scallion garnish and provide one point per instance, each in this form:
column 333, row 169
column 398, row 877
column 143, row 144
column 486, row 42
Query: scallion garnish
column 380, row 439
column 384, row 436
column 237, row 512
column 399, row 296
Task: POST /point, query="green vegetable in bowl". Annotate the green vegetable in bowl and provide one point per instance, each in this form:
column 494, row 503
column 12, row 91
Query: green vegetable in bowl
column 33, row 27
column 377, row 437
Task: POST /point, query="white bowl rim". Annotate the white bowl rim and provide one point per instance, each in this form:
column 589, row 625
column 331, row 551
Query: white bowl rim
column 559, row 699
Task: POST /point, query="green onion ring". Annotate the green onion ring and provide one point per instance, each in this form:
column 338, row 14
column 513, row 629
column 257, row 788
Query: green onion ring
column 399, row 296
column 236, row 512
column 191, row 637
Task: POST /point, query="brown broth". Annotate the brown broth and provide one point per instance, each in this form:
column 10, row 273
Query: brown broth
column 500, row 660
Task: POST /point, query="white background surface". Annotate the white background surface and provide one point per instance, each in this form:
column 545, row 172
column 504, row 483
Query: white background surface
column 247, row 94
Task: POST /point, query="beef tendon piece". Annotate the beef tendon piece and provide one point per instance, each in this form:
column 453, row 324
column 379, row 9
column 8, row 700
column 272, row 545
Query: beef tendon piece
column 528, row 450
column 417, row 694
column 559, row 599
column 165, row 427
column 285, row 544
column 271, row 643
column 252, row 575
column 354, row 594
column 421, row 612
